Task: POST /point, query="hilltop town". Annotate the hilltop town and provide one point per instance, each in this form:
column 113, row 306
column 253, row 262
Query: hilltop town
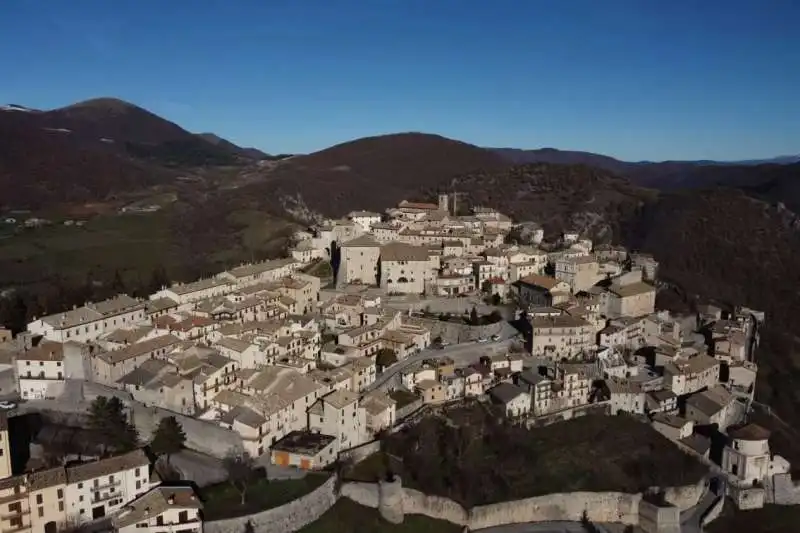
column 372, row 322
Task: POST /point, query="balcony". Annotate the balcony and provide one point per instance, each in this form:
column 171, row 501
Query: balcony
column 107, row 485
column 14, row 529
column 8, row 515
column 99, row 497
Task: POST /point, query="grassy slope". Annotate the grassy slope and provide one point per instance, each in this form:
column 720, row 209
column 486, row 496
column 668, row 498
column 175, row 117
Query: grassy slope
column 349, row 517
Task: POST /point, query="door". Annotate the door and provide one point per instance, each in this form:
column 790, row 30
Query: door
column 281, row 458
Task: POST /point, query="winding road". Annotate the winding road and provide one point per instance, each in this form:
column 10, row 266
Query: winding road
column 463, row 354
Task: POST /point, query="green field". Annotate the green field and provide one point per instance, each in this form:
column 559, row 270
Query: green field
column 222, row 501
column 135, row 245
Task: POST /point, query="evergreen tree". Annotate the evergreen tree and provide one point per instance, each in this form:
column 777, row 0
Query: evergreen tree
column 158, row 279
column 108, row 419
column 118, row 285
column 168, row 438
column 473, row 317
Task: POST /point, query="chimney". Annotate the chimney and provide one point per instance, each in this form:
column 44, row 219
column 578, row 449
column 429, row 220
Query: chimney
column 171, row 499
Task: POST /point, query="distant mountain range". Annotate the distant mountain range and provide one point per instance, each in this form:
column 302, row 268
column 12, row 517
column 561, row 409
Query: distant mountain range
column 92, row 149
column 659, row 174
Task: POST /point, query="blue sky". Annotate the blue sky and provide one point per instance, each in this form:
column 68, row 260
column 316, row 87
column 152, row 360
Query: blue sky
column 635, row 79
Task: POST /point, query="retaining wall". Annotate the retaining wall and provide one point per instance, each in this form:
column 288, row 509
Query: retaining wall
column 359, row 453
column 599, row 506
column 713, row 512
column 205, row 437
column 286, row 518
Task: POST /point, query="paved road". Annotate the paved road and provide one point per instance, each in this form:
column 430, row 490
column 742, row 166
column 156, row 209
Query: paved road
column 207, row 470
column 467, row 352
column 200, row 468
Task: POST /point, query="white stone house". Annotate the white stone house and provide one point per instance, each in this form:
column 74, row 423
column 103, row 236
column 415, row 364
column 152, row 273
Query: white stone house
column 201, row 289
column 365, row 219
column 673, row 427
column 41, row 371
column 579, row 273
column 91, row 321
column 359, row 261
column 514, row 400
column 98, row 489
column 404, row 268
column 685, row 376
column 171, row 509
column 381, row 411
column 625, row 396
column 713, row 406
column 339, row 415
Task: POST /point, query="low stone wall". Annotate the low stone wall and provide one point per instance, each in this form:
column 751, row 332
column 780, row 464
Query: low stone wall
column 286, row 518
column 686, row 496
column 782, row 490
column 658, row 518
column 408, row 409
column 205, row 437
column 359, row 453
column 600, row 408
column 599, row 506
column 713, row 512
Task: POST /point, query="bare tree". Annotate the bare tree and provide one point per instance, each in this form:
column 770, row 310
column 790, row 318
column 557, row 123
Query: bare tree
column 240, row 467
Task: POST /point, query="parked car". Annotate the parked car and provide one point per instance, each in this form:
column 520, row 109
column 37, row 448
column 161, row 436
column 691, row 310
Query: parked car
column 444, row 344
column 7, row 405
column 483, row 339
column 495, row 337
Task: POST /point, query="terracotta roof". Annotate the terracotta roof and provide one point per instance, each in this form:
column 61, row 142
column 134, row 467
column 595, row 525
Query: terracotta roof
column 418, row 205
column 46, row 351
column 540, row 281
column 632, row 289
column 749, row 432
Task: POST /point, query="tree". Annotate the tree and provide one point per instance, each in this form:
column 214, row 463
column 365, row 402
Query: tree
column 248, row 527
column 385, row 358
column 473, row 317
column 168, row 438
column 158, row 279
column 239, row 466
column 108, row 418
column 118, row 285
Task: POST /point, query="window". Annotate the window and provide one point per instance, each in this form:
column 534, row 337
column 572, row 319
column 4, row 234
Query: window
column 61, row 507
column 41, row 512
column 39, row 499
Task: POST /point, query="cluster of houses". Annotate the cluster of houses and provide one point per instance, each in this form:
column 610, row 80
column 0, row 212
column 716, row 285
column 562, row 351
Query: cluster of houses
column 124, row 489
column 265, row 351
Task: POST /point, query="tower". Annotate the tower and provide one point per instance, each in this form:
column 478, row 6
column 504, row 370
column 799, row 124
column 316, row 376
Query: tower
column 443, row 203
